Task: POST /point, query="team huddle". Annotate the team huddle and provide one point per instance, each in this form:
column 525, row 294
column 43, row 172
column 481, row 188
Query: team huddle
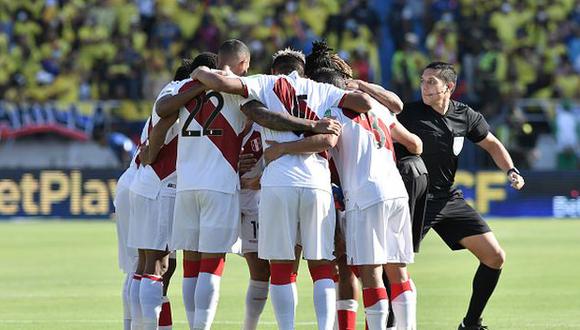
column 298, row 163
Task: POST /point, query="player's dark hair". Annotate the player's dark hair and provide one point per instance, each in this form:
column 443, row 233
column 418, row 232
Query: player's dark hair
column 286, row 63
column 329, row 76
column 323, row 56
column 188, row 65
column 446, row 71
column 234, row 48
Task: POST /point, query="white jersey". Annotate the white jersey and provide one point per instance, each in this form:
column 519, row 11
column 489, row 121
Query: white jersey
column 209, row 141
column 302, row 98
column 365, row 158
column 252, row 144
column 159, row 177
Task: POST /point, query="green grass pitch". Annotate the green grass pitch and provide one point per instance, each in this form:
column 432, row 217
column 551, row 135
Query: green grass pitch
column 63, row 275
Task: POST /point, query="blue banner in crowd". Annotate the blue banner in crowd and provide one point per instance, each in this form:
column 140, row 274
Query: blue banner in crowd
column 89, row 194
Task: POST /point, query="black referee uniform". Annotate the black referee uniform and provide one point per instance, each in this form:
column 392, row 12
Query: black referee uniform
column 443, row 136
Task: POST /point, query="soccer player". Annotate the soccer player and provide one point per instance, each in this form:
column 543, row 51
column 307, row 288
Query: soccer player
column 257, row 292
column 443, row 124
column 296, row 193
column 207, row 211
column 378, row 228
column 128, row 257
column 152, row 200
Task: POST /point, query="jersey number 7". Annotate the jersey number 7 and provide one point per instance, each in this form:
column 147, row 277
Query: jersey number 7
column 204, row 113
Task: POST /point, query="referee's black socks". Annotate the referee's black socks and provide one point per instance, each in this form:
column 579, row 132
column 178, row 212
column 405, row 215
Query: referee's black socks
column 484, row 283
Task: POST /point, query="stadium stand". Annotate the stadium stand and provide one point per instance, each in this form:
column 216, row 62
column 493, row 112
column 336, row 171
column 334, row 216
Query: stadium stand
column 65, row 52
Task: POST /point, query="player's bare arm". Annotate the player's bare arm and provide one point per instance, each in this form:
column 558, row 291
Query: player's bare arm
column 308, row 145
column 218, row 81
column 357, row 101
column 170, row 104
column 502, row 159
column 409, row 140
column 148, row 154
column 385, row 97
column 280, row 121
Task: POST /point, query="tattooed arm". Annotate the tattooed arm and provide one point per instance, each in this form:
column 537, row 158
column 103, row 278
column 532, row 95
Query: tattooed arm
column 279, row 121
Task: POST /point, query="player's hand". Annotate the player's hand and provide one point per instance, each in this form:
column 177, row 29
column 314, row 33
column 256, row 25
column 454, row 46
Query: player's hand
column 327, row 126
column 517, row 181
column 226, row 71
column 198, row 70
column 246, row 163
column 353, row 84
column 250, row 183
column 273, row 152
column 145, row 155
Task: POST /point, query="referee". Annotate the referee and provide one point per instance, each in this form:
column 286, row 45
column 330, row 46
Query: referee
column 443, row 124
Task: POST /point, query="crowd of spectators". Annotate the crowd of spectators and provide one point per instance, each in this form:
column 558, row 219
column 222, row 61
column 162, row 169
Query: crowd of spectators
column 75, row 50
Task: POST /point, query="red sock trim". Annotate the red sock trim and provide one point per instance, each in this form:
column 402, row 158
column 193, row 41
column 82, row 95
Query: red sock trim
column 355, row 270
column 372, row 295
column 191, row 268
column 346, row 319
column 282, row 274
column 137, row 277
column 213, row 266
column 154, row 278
column 398, row 288
column 165, row 315
column 322, row 272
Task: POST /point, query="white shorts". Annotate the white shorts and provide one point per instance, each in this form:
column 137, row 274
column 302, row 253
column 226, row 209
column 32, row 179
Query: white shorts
column 287, row 213
column 128, row 257
column 206, row 221
column 379, row 234
column 151, row 222
column 249, row 232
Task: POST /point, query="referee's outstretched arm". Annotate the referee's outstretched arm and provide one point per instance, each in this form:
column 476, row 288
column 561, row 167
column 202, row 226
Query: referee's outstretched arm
column 502, row 159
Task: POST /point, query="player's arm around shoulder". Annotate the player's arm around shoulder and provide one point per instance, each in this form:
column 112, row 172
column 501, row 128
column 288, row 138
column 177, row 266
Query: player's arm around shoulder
column 356, row 101
column 308, row 145
column 385, row 97
column 409, row 140
column 502, row 159
column 170, row 104
column 219, row 81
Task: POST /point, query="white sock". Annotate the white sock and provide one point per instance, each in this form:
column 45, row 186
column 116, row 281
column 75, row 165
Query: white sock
column 188, row 291
column 405, row 305
column 255, row 301
column 135, row 304
column 284, row 300
column 207, row 294
column 165, row 321
column 126, row 301
column 325, row 303
column 376, row 307
column 150, row 296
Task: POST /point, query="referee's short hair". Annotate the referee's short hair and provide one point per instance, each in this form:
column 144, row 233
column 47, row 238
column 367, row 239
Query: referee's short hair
column 446, row 71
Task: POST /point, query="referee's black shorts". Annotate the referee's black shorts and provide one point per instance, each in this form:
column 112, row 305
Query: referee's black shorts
column 453, row 219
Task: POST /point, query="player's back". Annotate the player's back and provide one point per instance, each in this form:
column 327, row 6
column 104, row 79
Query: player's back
column 301, row 98
column 365, row 158
column 209, row 141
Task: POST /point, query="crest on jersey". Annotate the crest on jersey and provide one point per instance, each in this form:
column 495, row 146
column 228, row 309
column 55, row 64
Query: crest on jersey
column 255, row 144
column 327, row 113
column 457, row 145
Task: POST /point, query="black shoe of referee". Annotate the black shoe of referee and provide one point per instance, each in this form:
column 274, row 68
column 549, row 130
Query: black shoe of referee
column 477, row 326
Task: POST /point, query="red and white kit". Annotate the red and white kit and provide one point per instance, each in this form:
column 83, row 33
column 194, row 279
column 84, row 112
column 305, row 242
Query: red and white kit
column 153, row 191
column 296, row 193
column 207, row 206
column 378, row 225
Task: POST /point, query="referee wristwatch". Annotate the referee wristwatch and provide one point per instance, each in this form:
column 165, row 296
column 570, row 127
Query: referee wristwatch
column 513, row 170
